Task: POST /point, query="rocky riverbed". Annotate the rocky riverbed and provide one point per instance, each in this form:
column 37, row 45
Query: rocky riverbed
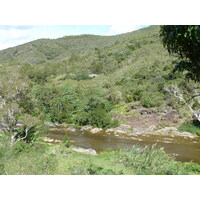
column 127, row 130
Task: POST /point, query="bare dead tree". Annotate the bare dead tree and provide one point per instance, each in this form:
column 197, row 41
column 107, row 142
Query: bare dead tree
column 175, row 91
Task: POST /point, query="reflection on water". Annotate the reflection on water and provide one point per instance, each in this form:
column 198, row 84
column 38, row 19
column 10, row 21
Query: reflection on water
column 185, row 149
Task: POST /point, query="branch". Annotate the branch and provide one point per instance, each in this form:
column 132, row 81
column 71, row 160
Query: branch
column 174, row 90
column 22, row 138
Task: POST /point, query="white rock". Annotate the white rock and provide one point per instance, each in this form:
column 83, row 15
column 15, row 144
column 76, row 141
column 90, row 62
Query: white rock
column 120, row 132
column 86, row 128
column 86, row 151
column 71, row 129
column 109, row 130
column 96, row 130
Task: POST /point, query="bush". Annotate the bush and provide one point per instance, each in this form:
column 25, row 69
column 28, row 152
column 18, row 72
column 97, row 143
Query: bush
column 20, row 147
column 149, row 160
column 98, row 170
column 66, row 141
column 89, row 168
column 99, row 117
column 115, row 97
column 119, row 56
column 97, row 68
column 82, row 118
column 149, row 99
column 60, row 110
column 192, row 127
column 133, row 45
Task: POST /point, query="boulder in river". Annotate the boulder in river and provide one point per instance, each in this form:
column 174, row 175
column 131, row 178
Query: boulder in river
column 86, row 151
column 71, row 129
column 86, row 128
column 49, row 140
column 49, row 124
column 123, row 128
column 110, row 130
column 173, row 131
column 96, row 130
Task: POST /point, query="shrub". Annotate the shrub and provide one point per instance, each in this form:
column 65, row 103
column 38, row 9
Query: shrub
column 90, row 168
column 149, row 99
column 97, row 68
column 149, row 160
column 66, row 141
column 60, row 110
column 20, row 147
column 119, row 56
column 133, row 45
column 97, row 97
column 82, row 118
column 98, row 170
column 99, row 117
column 115, row 97
column 192, row 127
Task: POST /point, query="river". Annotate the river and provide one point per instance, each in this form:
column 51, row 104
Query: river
column 184, row 149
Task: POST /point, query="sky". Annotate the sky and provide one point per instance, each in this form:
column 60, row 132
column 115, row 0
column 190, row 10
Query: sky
column 11, row 36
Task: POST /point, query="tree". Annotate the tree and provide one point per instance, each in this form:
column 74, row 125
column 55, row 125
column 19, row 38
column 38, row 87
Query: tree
column 8, row 116
column 189, row 96
column 184, row 41
column 31, row 127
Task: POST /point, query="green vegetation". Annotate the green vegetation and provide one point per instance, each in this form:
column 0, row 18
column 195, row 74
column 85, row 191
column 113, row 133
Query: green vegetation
column 39, row 158
column 55, row 76
column 149, row 99
column 91, row 80
column 54, row 83
column 184, row 41
column 192, row 127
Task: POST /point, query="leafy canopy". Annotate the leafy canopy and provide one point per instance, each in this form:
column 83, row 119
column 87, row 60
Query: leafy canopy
column 184, row 41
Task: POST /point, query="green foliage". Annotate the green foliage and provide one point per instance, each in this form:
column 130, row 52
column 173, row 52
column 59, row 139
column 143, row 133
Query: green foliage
column 184, row 41
column 192, row 127
column 133, row 45
column 30, row 130
column 60, row 110
column 20, row 147
column 97, row 67
column 66, row 141
column 149, row 160
column 82, row 118
column 81, row 77
column 150, row 99
column 119, row 56
column 97, row 97
column 98, row 170
column 99, row 117
column 53, row 84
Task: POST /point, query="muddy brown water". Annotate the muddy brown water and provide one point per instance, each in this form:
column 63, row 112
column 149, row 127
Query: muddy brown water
column 184, row 149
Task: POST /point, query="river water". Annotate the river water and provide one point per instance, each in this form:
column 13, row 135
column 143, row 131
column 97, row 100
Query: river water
column 184, row 149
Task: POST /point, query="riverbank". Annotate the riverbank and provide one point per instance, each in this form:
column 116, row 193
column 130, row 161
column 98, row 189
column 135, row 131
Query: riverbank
column 43, row 159
column 125, row 130
column 185, row 149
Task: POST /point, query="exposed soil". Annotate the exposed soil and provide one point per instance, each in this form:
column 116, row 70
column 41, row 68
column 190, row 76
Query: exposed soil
column 149, row 118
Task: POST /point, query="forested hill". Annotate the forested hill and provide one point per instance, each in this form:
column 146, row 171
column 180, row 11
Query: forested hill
column 90, row 79
column 44, row 50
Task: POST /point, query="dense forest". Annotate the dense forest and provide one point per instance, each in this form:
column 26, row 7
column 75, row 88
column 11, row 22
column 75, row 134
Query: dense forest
column 99, row 81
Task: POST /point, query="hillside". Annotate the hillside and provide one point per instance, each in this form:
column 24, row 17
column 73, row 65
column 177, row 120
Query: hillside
column 130, row 73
